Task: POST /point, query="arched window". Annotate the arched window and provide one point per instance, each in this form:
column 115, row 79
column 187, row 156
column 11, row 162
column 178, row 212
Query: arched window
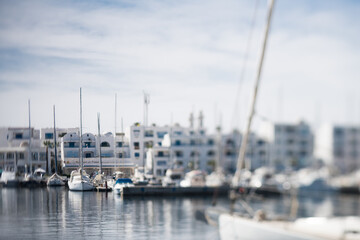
column 105, row 144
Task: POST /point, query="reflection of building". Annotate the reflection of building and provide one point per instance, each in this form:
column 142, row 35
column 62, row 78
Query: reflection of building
column 15, row 150
column 291, row 144
column 339, row 146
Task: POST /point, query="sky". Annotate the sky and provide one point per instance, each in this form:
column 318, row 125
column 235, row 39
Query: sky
column 189, row 56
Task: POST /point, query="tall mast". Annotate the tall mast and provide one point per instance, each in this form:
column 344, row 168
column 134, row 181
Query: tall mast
column 55, row 141
column 122, row 141
column 30, row 154
column 242, row 153
column 99, row 136
column 115, row 131
column 81, row 147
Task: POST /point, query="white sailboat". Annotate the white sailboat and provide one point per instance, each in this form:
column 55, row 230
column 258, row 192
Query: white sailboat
column 257, row 225
column 79, row 180
column 55, row 179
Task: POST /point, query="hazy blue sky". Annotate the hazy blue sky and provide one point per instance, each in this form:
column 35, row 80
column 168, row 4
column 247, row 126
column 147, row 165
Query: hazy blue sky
column 188, row 55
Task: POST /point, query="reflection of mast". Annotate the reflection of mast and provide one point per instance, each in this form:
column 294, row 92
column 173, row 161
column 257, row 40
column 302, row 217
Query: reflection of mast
column 252, row 110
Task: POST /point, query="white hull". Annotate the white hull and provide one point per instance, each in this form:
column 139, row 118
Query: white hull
column 236, row 227
column 55, row 180
column 80, row 186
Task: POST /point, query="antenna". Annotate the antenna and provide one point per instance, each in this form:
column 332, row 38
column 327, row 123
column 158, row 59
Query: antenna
column 115, row 131
column 146, row 111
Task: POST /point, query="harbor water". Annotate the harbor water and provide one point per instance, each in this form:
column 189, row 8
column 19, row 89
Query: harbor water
column 45, row 213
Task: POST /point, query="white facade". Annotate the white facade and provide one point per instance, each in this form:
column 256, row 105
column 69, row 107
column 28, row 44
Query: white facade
column 291, row 145
column 115, row 153
column 15, row 150
column 339, row 146
column 47, row 141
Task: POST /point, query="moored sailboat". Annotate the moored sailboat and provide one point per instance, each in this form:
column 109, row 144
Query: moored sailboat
column 55, row 179
column 79, row 180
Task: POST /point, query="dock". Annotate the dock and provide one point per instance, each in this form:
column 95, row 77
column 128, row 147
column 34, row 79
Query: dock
column 174, row 191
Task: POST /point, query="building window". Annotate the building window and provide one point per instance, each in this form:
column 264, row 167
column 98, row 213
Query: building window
column 71, row 144
column 9, row 155
column 136, row 145
column 42, row 156
column 21, row 156
column 194, row 154
column 149, row 133
column 160, row 154
column 105, row 144
column 202, row 132
column 177, row 133
column 88, row 155
column 18, row 135
column 211, row 142
column 158, row 172
column 87, row 144
column 1, row 155
column 179, row 153
column 211, row 153
column 119, row 144
column 177, row 143
column 161, row 163
column 192, row 142
column 161, row 134
column 136, row 133
column 137, row 154
column 49, row 135
column 149, row 144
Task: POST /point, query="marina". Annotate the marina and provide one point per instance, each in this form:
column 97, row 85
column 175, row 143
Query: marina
column 186, row 164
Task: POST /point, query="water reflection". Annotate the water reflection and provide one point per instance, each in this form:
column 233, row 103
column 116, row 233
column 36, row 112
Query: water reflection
column 56, row 212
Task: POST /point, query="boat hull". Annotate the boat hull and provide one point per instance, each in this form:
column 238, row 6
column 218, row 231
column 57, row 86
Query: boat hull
column 80, row 186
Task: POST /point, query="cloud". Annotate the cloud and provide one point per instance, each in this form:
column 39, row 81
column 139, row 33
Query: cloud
column 187, row 55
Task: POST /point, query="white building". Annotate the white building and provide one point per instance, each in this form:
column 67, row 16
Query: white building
column 47, row 141
column 291, row 145
column 115, row 152
column 15, row 150
column 339, row 146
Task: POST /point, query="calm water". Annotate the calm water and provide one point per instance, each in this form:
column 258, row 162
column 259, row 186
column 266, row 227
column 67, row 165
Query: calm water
column 55, row 212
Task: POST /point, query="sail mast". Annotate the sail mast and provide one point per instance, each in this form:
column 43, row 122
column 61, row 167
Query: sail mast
column 115, row 132
column 55, row 141
column 81, row 147
column 242, row 153
column 30, row 154
column 100, row 159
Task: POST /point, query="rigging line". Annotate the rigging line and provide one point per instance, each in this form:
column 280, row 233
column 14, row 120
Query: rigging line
column 244, row 65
